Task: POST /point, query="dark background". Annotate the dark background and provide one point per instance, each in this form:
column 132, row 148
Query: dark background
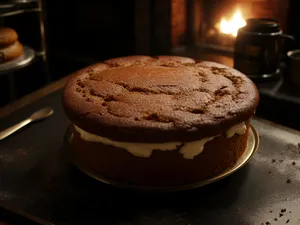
column 82, row 32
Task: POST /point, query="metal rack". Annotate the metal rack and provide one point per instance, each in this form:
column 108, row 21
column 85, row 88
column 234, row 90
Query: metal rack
column 13, row 8
column 18, row 7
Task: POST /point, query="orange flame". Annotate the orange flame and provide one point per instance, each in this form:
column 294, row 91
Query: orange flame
column 233, row 25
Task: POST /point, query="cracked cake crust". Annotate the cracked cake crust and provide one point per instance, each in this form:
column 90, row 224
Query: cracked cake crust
column 160, row 99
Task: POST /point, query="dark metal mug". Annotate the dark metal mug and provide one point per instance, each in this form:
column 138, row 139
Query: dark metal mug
column 293, row 66
column 259, row 48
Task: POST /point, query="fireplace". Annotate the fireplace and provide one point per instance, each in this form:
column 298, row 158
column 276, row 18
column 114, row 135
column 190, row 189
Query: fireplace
column 154, row 27
column 220, row 20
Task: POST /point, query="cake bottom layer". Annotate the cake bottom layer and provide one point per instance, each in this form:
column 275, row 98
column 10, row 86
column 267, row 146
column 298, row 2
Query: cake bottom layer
column 162, row 168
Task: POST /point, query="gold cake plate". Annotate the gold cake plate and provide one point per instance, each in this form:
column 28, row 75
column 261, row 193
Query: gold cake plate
column 252, row 146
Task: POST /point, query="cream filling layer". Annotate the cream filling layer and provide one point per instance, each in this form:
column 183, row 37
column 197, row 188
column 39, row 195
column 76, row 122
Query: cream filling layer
column 188, row 149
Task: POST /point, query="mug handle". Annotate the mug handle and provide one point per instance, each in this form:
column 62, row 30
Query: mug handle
column 288, row 42
column 288, row 37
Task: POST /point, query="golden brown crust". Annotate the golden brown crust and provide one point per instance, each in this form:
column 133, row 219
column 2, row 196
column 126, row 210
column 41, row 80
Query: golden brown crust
column 11, row 52
column 7, row 36
column 119, row 165
column 167, row 98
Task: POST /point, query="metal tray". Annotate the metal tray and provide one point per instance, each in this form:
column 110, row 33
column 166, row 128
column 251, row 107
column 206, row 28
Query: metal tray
column 252, row 146
column 35, row 177
column 19, row 62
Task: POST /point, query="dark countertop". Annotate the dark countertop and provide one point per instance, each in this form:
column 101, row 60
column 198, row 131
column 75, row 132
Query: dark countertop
column 36, row 177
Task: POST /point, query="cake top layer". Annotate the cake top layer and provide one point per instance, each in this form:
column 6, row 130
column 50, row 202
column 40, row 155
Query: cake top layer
column 167, row 98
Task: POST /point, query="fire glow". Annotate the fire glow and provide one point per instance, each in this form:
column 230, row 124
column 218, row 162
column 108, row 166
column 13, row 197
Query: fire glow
column 233, row 25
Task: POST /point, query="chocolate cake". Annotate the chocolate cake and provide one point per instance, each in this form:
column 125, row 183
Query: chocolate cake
column 165, row 120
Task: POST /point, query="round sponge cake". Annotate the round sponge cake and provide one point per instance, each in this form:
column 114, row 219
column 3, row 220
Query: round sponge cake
column 163, row 120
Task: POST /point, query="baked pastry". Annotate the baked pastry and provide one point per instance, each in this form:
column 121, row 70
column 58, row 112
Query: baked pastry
column 8, row 36
column 159, row 121
column 11, row 52
column 10, row 47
